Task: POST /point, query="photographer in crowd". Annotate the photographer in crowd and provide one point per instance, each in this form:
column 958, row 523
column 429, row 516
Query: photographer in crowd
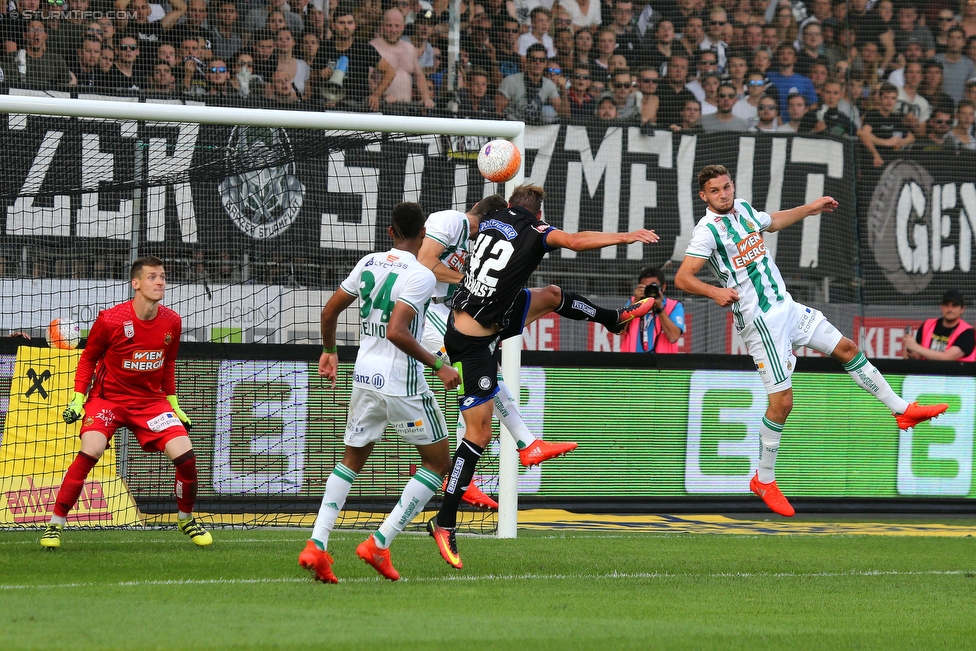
column 948, row 338
column 659, row 330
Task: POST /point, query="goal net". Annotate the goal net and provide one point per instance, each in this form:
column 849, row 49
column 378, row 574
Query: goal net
column 257, row 221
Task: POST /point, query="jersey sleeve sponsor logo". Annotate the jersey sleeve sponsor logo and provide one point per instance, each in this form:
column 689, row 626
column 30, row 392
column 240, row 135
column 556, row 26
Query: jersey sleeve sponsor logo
column 163, row 421
column 507, row 230
column 542, row 227
column 144, row 360
column 750, row 249
column 129, row 328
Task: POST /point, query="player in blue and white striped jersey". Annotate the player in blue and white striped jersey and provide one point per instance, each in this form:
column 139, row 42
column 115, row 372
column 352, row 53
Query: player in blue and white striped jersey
column 729, row 239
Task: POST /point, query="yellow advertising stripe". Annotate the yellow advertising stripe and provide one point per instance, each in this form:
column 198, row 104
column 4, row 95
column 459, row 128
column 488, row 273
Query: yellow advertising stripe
column 554, row 519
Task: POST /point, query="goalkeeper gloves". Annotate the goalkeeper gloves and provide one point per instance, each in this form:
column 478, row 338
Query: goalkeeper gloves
column 74, row 410
column 174, row 402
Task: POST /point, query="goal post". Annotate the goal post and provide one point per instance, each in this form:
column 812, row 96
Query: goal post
column 154, row 187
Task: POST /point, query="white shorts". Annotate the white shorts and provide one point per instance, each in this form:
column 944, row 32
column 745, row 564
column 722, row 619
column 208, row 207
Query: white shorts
column 417, row 419
column 435, row 326
column 772, row 337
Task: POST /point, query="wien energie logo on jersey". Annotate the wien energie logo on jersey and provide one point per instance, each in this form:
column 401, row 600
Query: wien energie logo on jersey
column 144, row 360
column 750, row 249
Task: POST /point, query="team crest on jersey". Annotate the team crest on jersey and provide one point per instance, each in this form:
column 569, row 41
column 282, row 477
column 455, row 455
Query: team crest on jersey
column 485, row 383
column 168, row 338
column 89, row 421
column 129, row 328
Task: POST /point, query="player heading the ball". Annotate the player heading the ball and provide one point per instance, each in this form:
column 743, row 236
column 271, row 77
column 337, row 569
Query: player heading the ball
column 127, row 371
column 492, row 305
column 447, row 245
column 729, row 238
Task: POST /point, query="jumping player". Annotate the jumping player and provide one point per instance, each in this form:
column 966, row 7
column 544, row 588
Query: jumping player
column 445, row 248
column 491, row 305
column 131, row 352
column 729, row 238
column 388, row 388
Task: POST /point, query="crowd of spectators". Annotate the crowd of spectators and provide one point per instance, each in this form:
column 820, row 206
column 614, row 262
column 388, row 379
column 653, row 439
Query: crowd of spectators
column 891, row 73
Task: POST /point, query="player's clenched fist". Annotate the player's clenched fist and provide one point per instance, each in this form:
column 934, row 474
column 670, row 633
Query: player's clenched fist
column 74, row 410
column 725, row 296
column 449, row 376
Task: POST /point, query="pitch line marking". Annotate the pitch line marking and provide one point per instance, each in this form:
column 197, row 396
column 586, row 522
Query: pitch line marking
column 506, row 577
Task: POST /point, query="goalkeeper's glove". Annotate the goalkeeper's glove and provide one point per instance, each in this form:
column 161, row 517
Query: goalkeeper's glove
column 74, row 410
column 174, row 402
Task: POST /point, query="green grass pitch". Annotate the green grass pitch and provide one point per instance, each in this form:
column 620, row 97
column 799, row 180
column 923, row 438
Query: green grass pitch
column 545, row 590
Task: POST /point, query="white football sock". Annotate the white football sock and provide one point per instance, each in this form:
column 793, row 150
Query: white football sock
column 507, row 411
column 416, row 494
column 336, row 491
column 769, row 436
column 868, row 378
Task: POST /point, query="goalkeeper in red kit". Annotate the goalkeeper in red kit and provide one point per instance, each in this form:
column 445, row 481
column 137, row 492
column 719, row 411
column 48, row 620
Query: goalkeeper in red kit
column 127, row 372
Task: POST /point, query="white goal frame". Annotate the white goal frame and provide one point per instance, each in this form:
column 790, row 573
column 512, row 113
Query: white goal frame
column 153, row 112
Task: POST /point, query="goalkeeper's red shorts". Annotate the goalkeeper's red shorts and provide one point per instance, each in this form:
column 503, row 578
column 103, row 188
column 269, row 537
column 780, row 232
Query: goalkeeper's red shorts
column 152, row 423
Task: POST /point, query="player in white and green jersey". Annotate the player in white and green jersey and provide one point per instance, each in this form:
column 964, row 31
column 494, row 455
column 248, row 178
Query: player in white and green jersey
column 389, row 388
column 444, row 252
column 729, row 239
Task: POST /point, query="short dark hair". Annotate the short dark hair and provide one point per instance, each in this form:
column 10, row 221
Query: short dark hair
column 344, row 9
column 135, row 270
column 537, row 47
column 489, row 204
column 710, row 172
column 800, row 95
column 887, row 87
column 651, row 272
column 407, row 220
column 528, row 196
column 729, row 85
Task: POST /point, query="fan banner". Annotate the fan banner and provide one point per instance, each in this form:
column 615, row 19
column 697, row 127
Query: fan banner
column 73, row 178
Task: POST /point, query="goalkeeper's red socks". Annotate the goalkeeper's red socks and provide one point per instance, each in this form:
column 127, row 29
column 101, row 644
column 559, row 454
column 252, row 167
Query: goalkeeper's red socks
column 186, row 481
column 73, row 482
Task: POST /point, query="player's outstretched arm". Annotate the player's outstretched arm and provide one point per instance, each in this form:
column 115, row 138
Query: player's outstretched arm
column 398, row 333
column 329, row 362
column 785, row 218
column 687, row 281
column 589, row 240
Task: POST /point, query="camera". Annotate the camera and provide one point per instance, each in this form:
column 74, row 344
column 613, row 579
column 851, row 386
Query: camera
column 652, row 290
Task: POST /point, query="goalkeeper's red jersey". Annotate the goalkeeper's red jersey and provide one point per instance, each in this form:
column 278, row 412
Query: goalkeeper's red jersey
column 131, row 360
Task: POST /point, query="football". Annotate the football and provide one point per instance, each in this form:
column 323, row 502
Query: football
column 499, row 161
column 63, row 333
